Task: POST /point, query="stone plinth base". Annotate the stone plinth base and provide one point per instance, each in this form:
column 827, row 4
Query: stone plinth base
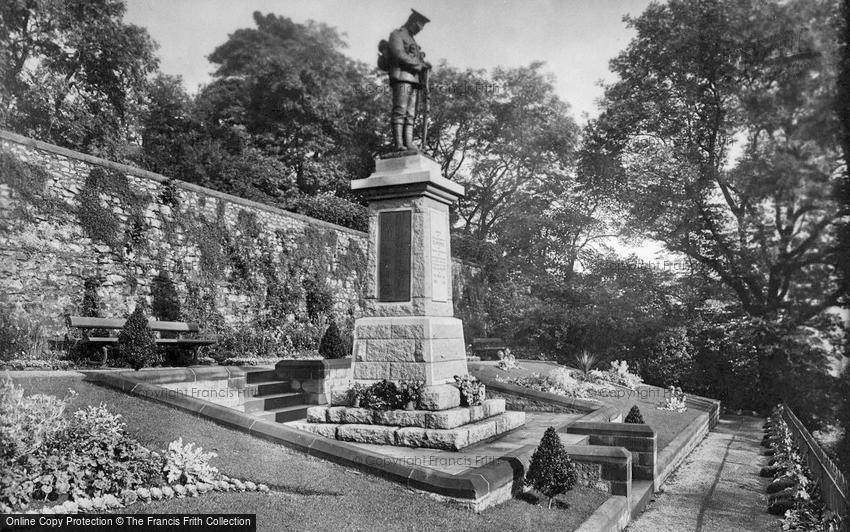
column 444, row 419
column 425, row 348
column 318, row 380
column 453, row 439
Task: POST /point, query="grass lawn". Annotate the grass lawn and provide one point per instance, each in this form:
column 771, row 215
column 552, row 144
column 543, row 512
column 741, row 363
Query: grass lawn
column 307, row 493
column 667, row 424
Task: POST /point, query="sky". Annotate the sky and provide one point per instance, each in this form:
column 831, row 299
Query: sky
column 575, row 38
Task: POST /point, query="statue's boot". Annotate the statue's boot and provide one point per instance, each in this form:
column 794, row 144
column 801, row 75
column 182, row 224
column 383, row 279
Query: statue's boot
column 398, row 136
column 408, row 138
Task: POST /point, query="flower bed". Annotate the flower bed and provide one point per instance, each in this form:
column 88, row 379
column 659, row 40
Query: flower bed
column 562, row 381
column 792, row 493
column 87, row 462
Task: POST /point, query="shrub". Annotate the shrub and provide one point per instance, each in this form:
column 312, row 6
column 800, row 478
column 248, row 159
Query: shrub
column 166, row 302
column 551, row 472
column 385, row 395
column 187, row 464
column 20, row 338
column 634, row 416
column 507, row 361
column 585, row 361
column 471, row 390
column 332, row 209
column 137, row 343
column 667, row 359
column 27, row 423
column 332, row 344
column 618, row 373
column 559, row 381
column 318, row 298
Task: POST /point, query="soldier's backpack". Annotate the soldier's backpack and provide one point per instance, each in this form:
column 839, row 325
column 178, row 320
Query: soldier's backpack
column 384, row 55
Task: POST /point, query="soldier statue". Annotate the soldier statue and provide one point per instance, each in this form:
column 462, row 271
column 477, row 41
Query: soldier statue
column 405, row 63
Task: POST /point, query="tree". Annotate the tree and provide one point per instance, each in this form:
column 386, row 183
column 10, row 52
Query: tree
column 720, row 140
column 507, row 138
column 699, row 82
column 287, row 90
column 72, row 72
column 634, row 416
column 332, row 345
column 137, row 342
column 551, row 472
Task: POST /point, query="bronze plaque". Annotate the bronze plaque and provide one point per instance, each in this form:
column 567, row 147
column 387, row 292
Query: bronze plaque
column 394, row 256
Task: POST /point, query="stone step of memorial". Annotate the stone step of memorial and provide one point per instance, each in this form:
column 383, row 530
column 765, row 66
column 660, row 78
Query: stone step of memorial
column 441, row 419
column 268, row 388
column 453, row 439
column 261, row 375
column 284, row 414
column 270, row 402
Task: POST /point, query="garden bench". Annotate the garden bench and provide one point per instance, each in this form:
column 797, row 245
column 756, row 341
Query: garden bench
column 488, row 348
column 87, row 324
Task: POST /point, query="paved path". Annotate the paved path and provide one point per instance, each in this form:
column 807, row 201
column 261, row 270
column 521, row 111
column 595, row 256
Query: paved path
column 717, row 488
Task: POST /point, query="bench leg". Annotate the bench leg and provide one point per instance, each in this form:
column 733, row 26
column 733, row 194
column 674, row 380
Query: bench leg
column 105, row 351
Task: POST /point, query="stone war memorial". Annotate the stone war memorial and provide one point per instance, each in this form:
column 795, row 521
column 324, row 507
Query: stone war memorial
column 409, row 332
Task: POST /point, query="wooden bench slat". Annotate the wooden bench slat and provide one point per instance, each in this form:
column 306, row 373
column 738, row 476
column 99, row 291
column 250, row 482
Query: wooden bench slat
column 190, row 341
column 84, row 322
column 187, row 341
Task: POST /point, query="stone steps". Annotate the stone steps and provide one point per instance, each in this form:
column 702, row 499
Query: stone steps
column 268, row 388
column 262, row 375
column 272, row 401
column 284, row 414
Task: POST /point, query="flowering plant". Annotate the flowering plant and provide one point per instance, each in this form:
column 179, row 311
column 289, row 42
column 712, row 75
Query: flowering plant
column 507, row 360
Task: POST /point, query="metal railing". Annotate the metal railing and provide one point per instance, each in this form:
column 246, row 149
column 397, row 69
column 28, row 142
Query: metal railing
column 834, row 487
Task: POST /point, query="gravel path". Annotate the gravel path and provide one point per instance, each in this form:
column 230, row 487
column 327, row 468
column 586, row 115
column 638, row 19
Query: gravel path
column 717, row 488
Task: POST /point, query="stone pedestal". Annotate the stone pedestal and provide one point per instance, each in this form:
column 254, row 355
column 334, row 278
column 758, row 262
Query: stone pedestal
column 408, row 331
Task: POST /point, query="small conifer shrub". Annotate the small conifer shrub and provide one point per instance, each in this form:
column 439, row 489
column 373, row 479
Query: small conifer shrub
column 551, row 472
column 332, row 345
column 634, row 416
column 137, row 343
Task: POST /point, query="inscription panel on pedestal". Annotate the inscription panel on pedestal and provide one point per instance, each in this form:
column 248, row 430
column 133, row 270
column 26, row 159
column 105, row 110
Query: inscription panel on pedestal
column 394, row 256
column 439, row 255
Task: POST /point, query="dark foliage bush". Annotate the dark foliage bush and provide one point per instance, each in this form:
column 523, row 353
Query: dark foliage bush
column 166, row 302
column 387, row 395
column 137, row 343
column 634, row 416
column 666, row 359
column 318, row 298
column 551, row 472
column 332, row 209
column 332, row 344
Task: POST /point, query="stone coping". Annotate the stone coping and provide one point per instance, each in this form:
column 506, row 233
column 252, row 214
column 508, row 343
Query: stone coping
column 479, row 488
column 310, row 369
column 560, row 400
column 190, row 374
column 631, row 429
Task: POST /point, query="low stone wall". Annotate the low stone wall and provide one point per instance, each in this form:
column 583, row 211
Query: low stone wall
column 639, row 439
column 318, row 380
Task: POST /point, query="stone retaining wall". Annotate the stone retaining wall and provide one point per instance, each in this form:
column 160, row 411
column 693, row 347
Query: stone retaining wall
column 71, row 219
